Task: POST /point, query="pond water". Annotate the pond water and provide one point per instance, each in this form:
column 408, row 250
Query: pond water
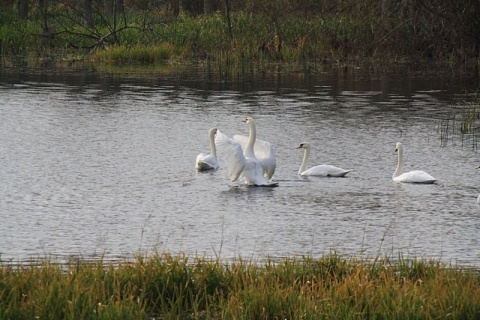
column 97, row 165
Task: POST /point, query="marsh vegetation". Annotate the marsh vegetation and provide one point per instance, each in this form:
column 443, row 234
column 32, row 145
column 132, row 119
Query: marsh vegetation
column 176, row 287
column 238, row 34
column 462, row 123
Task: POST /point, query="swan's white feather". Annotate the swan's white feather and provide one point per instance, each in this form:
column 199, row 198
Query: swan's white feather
column 208, row 161
column 325, row 170
column 416, row 176
column 239, row 167
column 264, row 152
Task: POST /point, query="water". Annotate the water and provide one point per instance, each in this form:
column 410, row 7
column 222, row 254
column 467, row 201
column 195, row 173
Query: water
column 101, row 166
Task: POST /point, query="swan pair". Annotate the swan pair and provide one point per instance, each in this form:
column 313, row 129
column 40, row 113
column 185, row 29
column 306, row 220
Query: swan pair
column 247, row 158
column 255, row 165
column 416, row 176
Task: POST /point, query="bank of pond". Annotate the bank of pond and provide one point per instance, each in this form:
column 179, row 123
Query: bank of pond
column 179, row 287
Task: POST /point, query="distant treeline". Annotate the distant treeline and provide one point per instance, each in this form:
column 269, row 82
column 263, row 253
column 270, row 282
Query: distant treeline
column 275, row 29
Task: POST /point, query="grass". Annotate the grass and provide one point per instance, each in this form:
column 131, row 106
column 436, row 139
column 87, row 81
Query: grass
column 178, row 287
column 138, row 54
column 462, row 121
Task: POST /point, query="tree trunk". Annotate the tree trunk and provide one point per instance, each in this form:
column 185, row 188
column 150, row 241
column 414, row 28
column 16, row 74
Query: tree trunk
column 174, row 7
column 23, row 9
column 112, row 7
column 228, row 21
column 87, row 13
column 208, row 7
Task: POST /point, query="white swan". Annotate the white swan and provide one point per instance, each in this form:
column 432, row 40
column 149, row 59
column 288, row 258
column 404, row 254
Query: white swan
column 478, row 198
column 324, row 170
column 248, row 169
column 416, row 176
column 208, row 161
column 257, row 149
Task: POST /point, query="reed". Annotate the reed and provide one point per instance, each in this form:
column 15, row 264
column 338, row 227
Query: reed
column 140, row 54
column 178, row 287
column 462, row 122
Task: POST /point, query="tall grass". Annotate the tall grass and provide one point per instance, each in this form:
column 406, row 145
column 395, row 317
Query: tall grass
column 336, row 31
column 178, row 287
column 136, row 54
column 463, row 122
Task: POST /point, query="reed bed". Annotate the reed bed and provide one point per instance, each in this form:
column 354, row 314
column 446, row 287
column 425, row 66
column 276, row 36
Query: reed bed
column 462, row 122
column 163, row 286
column 333, row 32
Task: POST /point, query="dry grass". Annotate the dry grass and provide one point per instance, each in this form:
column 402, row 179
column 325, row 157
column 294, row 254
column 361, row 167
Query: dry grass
column 176, row 287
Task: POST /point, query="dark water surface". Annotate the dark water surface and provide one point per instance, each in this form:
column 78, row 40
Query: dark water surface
column 94, row 164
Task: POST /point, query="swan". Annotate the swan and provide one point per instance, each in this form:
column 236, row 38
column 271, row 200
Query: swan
column 208, row 161
column 324, row 170
column 416, row 176
column 257, row 149
column 240, row 167
column 478, row 198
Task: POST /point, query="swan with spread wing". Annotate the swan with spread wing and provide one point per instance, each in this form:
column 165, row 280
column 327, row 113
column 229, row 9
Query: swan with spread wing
column 254, row 163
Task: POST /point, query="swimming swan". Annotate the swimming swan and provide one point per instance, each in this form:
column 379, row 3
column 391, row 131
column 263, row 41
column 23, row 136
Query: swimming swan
column 416, row 176
column 478, row 198
column 208, row 161
column 324, row 170
column 240, row 167
column 258, row 149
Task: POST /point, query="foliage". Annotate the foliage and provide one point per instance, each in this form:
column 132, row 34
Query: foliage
column 165, row 286
column 278, row 31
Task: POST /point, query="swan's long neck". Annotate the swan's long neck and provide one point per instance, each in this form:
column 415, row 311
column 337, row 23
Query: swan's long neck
column 399, row 169
column 213, row 149
column 249, row 153
column 306, row 158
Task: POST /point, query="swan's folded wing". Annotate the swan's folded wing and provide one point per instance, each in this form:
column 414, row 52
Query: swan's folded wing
column 268, row 165
column 416, row 176
column 232, row 154
column 206, row 162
